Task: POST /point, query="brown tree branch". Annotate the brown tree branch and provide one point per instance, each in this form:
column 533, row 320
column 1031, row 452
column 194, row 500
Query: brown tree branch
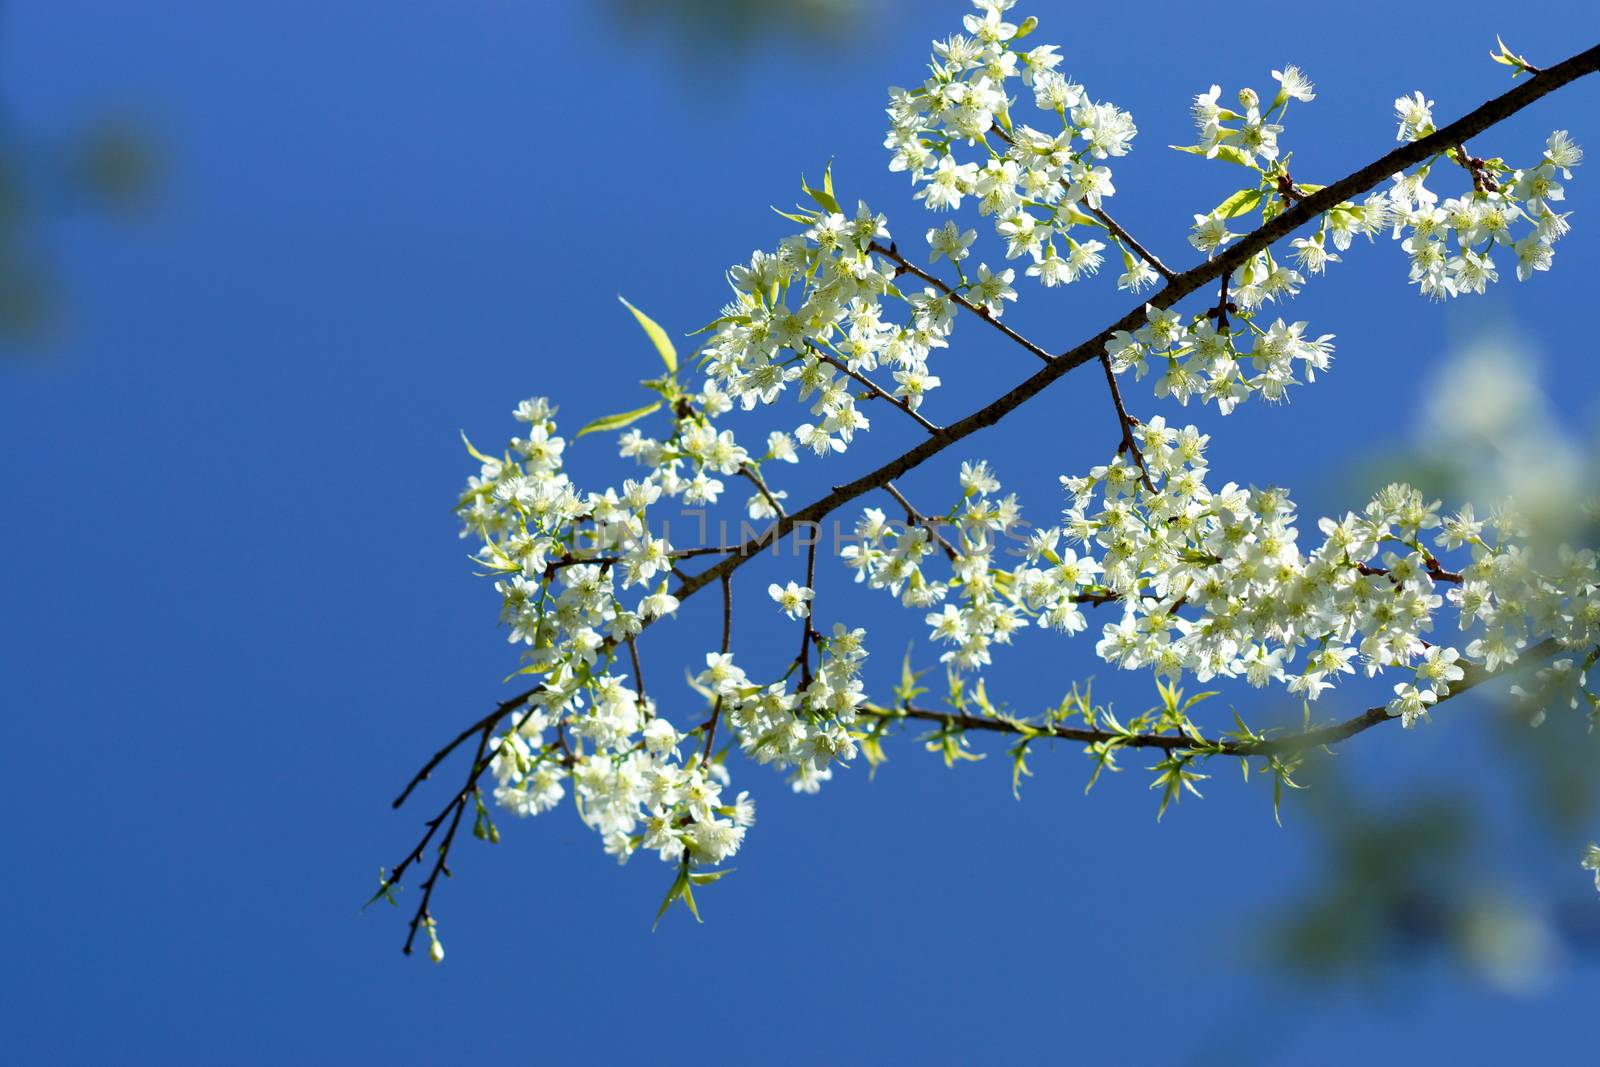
column 1180, row 286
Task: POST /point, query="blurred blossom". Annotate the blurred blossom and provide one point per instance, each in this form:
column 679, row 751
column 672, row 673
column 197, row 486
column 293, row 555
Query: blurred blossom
column 1508, row 941
column 1490, row 432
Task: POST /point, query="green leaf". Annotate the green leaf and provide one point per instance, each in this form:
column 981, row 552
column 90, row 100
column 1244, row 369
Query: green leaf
column 617, row 422
column 678, row 885
column 823, row 196
column 1019, row 766
column 1227, row 153
column 688, row 898
column 1175, row 777
column 1519, row 64
column 707, row 877
column 804, row 220
column 1245, row 200
column 385, row 891
column 479, row 456
column 908, row 689
column 658, row 336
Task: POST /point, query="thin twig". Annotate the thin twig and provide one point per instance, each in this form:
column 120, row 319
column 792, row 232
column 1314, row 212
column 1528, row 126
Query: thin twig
column 1288, row 744
column 441, row 863
column 916, row 518
column 905, row 266
column 638, row 672
column 727, row 636
column 1126, row 422
column 760, row 483
column 1110, row 223
column 877, row 391
column 1127, row 239
column 488, row 721
column 808, row 632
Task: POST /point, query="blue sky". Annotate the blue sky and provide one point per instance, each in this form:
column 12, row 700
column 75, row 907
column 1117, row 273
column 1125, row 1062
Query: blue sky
column 237, row 613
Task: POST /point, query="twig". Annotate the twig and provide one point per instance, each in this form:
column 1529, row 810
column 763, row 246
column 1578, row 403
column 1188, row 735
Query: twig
column 873, row 388
column 905, row 266
column 487, row 722
column 807, row 630
column 916, row 518
column 441, row 863
column 1127, row 239
column 1126, row 422
column 638, row 672
column 1290, row 743
column 727, row 636
column 760, row 483
column 1110, row 223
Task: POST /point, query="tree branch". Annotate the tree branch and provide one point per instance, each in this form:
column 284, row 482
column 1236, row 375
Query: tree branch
column 1287, row 744
column 1180, row 286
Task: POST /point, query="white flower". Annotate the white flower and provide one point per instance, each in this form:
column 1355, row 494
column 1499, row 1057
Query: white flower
column 1294, row 85
column 950, row 241
column 1209, row 233
column 793, row 598
column 1415, row 113
column 1410, row 703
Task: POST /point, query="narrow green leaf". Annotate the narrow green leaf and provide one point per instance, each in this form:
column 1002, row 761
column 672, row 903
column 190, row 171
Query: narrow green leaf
column 824, row 196
column 658, row 336
column 674, row 893
column 617, row 422
column 688, row 898
column 479, row 456
column 1226, row 153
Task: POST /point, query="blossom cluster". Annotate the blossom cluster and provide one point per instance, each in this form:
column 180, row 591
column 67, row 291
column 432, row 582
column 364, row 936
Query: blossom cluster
column 1039, row 186
column 1507, row 210
column 807, row 728
column 1214, row 583
column 1222, row 361
column 558, row 554
column 1451, row 243
column 813, row 312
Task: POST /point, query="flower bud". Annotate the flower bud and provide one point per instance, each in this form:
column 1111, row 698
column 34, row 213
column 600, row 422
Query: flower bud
column 1248, row 99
